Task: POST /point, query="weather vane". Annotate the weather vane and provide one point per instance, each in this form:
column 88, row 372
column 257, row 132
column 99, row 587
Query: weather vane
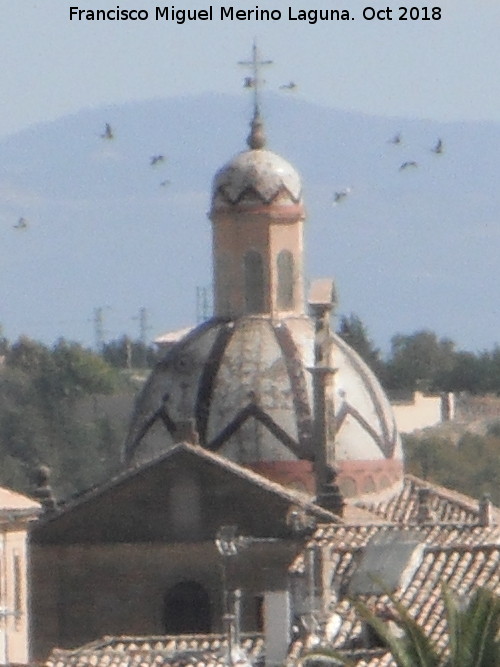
column 255, row 81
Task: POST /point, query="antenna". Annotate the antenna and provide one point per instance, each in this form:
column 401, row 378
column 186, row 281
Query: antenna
column 144, row 327
column 99, row 330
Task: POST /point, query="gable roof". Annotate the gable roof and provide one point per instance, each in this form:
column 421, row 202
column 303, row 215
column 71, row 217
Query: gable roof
column 445, row 505
column 132, row 494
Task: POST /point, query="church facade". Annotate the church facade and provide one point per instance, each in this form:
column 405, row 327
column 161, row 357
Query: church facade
column 263, row 425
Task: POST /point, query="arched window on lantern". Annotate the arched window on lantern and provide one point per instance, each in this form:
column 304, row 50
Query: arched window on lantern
column 254, row 282
column 285, row 265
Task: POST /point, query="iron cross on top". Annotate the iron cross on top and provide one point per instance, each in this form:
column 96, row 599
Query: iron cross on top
column 255, row 81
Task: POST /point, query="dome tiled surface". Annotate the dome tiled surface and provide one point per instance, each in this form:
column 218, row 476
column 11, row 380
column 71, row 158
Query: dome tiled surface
column 260, row 173
column 247, row 388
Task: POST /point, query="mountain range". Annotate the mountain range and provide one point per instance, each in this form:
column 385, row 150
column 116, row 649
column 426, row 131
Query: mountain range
column 105, row 233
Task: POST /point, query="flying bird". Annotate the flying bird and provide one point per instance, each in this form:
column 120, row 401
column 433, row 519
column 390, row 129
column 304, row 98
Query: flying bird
column 108, row 132
column 22, row 223
column 340, row 195
column 396, row 139
column 438, row 147
column 164, row 184
column 155, row 159
column 248, row 82
column 291, row 85
column 409, row 163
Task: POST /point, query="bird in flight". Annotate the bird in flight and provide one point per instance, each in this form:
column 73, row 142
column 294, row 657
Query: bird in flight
column 409, row 163
column 291, row 85
column 438, row 147
column 340, row 195
column 248, row 82
column 156, row 159
column 396, row 139
column 164, row 184
column 22, row 223
column 108, row 132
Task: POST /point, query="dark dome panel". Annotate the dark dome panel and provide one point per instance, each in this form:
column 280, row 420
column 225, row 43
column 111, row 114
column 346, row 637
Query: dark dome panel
column 246, row 387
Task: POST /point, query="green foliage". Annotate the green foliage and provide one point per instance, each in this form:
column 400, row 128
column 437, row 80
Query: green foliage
column 126, row 353
column 417, row 361
column 472, row 466
column 472, row 630
column 42, row 391
column 425, row 362
column 353, row 331
column 473, row 635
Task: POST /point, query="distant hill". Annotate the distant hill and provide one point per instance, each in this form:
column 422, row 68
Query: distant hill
column 409, row 248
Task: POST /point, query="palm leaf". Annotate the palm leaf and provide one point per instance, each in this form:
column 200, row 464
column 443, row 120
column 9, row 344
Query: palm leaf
column 473, row 629
column 414, row 649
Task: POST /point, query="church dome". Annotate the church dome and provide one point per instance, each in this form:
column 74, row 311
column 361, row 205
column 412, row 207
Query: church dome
column 256, row 175
column 243, row 379
column 245, row 385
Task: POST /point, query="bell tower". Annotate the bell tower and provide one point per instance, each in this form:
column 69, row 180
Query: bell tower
column 257, row 215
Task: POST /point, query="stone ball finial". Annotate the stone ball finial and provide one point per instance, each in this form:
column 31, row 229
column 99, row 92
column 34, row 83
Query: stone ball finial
column 257, row 138
column 43, row 490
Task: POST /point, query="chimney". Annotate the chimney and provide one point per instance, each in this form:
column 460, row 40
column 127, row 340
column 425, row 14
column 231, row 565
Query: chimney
column 277, row 626
column 43, row 491
column 424, row 514
column 485, row 511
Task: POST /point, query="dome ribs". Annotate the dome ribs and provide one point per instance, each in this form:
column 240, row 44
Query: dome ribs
column 166, row 418
column 346, row 410
column 253, row 410
column 207, row 381
column 298, row 384
column 251, row 192
column 387, row 442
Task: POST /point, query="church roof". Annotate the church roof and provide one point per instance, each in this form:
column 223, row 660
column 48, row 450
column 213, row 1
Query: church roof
column 445, row 505
column 452, row 547
column 118, row 505
column 462, row 567
column 174, row 651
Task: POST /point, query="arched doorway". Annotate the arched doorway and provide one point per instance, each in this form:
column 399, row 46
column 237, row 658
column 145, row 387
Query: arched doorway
column 186, row 609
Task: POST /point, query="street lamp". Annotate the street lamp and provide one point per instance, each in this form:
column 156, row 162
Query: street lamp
column 227, row 544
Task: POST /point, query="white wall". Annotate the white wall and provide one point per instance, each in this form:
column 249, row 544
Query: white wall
column 422, row 411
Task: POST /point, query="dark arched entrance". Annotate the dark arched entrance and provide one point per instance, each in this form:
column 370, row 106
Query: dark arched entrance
column 186, row 609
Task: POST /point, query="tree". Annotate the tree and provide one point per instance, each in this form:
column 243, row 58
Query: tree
column 126, row 353
column 43, row 419
column 353, row 331
column 471, row 465
column 417, row 361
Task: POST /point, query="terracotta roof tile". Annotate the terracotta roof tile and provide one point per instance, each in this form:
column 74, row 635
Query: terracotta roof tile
column 461, row 567
column 179, row 651
column 445, row 505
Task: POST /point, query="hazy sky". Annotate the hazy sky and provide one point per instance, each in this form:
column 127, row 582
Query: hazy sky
column 445, row 70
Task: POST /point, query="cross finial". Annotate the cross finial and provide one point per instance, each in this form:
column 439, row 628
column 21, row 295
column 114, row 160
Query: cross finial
column 256, row 138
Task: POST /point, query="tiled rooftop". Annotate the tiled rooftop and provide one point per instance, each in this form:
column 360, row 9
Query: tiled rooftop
column 161, row 651
column 445, row 505
column 457, row 551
